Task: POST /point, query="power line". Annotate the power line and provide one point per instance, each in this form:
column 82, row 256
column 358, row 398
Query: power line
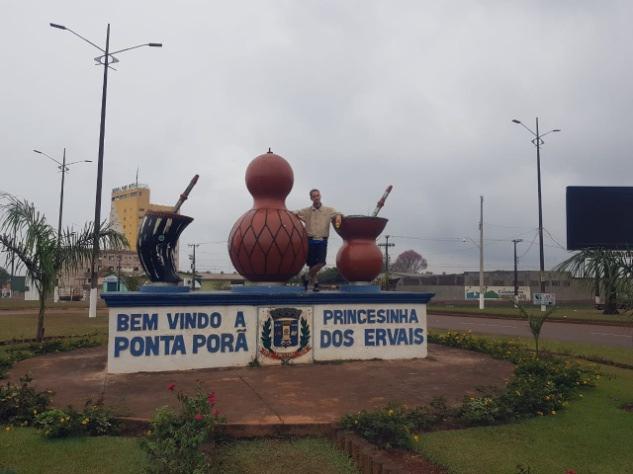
column 530, row 246
column 553, row 239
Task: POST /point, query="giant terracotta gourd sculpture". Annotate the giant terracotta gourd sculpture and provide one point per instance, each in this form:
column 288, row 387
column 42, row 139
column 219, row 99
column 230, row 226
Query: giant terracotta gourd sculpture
column 268, row 243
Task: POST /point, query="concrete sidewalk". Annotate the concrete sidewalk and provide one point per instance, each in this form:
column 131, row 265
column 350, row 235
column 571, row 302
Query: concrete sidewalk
column 303, row 399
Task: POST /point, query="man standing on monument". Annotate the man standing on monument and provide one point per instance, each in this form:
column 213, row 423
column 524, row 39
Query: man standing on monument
column 317, row 220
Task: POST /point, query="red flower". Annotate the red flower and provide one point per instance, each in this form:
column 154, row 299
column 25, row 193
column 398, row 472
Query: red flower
column 171, row 387
column 216, row 412
column 570, row 471
column 211, row 398
column 198, row 417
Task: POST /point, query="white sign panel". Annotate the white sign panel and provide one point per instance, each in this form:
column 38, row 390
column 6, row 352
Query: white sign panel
column 548, row 299
column 371, row 331
column 179, row 338
column 152, row 339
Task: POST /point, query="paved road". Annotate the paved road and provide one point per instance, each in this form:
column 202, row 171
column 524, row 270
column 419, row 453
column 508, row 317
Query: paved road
column 591, row 333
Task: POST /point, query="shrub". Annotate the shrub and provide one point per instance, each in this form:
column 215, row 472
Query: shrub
column 94, row 420
column 20, row 403
column 97, row 420
column 174, row 440
column 388, row 427
column 55, row 423
column 483, row 410
column 542, row 386
column 5, row 364
column 538, row 387
column 428, row 416
column 506, row 350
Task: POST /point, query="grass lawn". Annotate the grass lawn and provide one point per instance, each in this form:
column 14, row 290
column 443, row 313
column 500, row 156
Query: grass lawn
column 23, row 451
column 22, row 326
column 593, row 352
column 563, row 312
column 592, row 435
column 10, row 304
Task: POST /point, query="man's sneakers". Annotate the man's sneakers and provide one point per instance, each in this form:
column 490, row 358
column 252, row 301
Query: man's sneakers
column 306, row 283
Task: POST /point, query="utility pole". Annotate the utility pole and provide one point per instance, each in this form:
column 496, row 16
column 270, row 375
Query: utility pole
column 192, row 257
column 481, row 253
column 386, row 245
column 59, row 224
column 516, row 274
column 64, row 168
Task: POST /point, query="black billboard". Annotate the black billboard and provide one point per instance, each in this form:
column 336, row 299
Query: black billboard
column 599, row 216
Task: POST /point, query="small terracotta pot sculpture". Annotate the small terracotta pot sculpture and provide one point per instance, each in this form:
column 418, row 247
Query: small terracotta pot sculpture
column 360, row 259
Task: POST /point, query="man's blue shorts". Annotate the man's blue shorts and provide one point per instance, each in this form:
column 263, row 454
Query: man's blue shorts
column 317, row 251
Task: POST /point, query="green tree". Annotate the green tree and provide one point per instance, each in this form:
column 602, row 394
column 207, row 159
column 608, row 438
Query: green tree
column 536, row 321
column 133, row 282
column 25, row 232
column 610, row 270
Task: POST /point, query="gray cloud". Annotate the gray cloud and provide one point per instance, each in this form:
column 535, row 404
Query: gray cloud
column 355, row 95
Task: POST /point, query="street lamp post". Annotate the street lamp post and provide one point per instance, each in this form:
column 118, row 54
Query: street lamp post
column 516, row 273
column 538, row 141
column 63, row 167
column 106, row 59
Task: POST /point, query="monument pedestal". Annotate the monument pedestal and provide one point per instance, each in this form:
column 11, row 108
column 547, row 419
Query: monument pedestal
column 151, row 332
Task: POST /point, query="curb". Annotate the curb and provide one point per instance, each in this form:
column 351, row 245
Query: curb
column 368, row 458
column 138, row 426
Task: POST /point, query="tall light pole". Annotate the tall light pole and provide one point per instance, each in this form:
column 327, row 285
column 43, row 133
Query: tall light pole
column 516, row 273
column 63, row 167
column 106, row 59
column 482, row 290
column 538, row 141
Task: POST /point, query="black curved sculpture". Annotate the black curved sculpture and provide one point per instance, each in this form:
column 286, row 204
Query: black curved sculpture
column 157, row 240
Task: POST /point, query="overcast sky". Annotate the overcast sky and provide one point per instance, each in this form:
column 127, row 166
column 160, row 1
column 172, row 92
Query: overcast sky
column 356, row 95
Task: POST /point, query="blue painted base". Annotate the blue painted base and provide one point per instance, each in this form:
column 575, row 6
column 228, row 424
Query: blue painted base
column 360, row 289
column 258, row 296
column 162, row 289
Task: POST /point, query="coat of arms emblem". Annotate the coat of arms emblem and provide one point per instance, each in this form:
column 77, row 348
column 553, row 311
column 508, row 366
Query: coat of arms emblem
column 285, row 335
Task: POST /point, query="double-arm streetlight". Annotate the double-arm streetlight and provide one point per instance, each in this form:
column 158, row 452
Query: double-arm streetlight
column 63, row 167
column 106, row 59
column 537, row 141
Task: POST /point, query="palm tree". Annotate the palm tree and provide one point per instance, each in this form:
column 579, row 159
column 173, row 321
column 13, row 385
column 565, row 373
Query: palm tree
column 36, row 245
column 610, row 270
